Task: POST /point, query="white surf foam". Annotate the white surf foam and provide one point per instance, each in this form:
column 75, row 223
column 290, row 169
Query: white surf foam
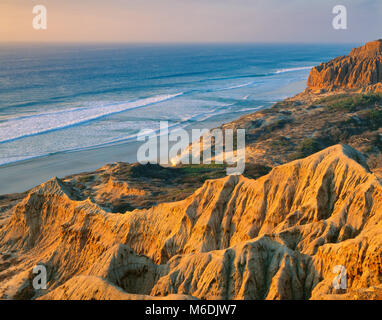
column 293, row 69
column 21, row 127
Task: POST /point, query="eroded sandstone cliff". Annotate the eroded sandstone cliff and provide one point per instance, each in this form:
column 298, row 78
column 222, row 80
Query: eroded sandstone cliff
column 277, row 237
column 362, row 68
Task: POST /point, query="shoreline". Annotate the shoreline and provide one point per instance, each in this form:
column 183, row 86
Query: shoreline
column 23, row 175
column 308, row 204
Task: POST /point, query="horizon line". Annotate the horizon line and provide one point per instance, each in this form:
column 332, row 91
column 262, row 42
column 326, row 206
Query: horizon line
column 179, row 43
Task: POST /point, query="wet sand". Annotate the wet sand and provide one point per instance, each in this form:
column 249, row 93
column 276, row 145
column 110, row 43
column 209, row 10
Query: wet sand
column 21, row 176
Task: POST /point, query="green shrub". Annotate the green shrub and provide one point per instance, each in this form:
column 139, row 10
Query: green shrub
column 309, row 146
column 279, row 124
column 86, row 179
column 280, row 142
column 374, row 118
column 374, row 115
column 350, row 103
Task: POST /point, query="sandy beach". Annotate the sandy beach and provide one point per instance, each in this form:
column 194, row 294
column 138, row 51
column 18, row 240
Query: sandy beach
column 23, row 175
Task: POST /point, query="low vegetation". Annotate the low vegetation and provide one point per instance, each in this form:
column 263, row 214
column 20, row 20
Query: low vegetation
column 306, row 148
column 161, row 184
column 349, row 103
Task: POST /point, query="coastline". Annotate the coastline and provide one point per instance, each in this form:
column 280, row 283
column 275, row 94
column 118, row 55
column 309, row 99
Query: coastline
column 26, row 174
column 308, row 204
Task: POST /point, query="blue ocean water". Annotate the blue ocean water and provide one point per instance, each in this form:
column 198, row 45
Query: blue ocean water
column 58, row 98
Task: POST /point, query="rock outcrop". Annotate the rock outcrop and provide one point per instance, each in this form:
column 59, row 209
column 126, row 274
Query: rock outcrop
column 277, row 237
column 362, row 68
column 96, row 288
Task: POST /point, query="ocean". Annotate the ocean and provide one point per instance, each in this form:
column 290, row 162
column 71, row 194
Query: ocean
column 67, row 98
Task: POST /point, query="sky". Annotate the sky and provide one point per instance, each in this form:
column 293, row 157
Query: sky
column 190, row 21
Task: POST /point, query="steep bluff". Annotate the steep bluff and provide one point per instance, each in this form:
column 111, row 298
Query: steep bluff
column 362, row 68
column 277, row 237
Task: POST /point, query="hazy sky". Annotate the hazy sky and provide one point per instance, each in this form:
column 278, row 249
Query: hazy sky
column 191, row 21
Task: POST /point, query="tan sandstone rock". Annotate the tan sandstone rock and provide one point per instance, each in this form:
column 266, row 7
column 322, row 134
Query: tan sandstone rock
column 277, row 237
column 361, row 68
